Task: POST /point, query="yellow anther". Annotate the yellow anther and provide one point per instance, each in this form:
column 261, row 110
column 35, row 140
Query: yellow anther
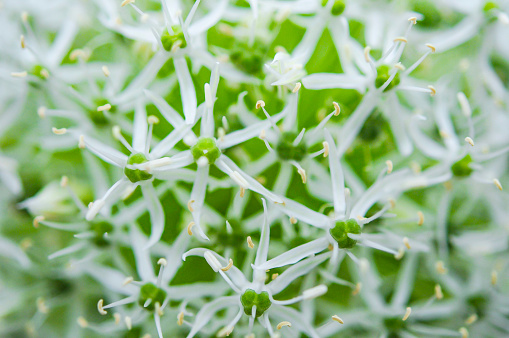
column 497, row 184
column 284, row 323
column 407, row 313
column 180, row 318
column 406, row 242
column 336, row 318
column 433, row 90
column 325, row 148
column 389, row 166
column 439, row 266
column 36, row 221
column 366, row 53
column 189, row 228
column 190, row 205
column 250, row 243
column 100, row 305
column 82, row 322
column 297, row 87
column 430, row 46
column 337, row 108
column 260, row 104
column 401, row 39
column 420, row 216
column 105, row 107
column 469, row 141
column 438, row 292
column 230, row 264
column 471, row 319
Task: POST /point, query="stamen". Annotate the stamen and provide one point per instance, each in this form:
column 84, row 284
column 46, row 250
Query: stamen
column 117, row 317
column 162, row 261
column 212, row 261
column 293, row 220
column 357, row 289
column 105, row 107
column 100, row 305
column 22, row 41
column 366, row 54
column 242, row 192
column 407, row 313
column 128, row 322
column 469, row 141
column 260, row 104
column 413, row 20
column 81, row 143
column 41, row 306
column 325, row 149
column 225, row 331
column 117, row 134
column 41, row 111
column 494, row 277
column 497, row 184
column 406, row 243
column 38, row 219
column 464, row 105
column 274, row 276
column 24, row 17
column 82, row 322
column 202, row 161
column 472, row 319
column 315, row 292
column 420, row 215
column 302, row 174
column 64, row 181
column 126, row 2
column 230, row 264
column 262, row 134
column 439, row 266
column 284, row 323
column 250, row 243
column 190, row 205
column 464, row 332
column 189, row 227
column 393, row 203
column 128, row 280
column 430, row 46
column 158, row 309
column 401, row 39
column 438, row 292
column 400, row 254
column 79, row 53
column 19, row 74
column 433, row 90
column 336, row 318
column 399, row 66
column 180, row 318
column 389, row 166
column 106, row 71
column 297, row 87
column 337, row 108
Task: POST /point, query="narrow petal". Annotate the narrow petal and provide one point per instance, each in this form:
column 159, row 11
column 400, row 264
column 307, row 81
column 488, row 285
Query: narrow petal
column 140, row 127
column 11, row 250
column 111, row 196
column 141, row 256
column 156, row 213
column 338, row 180
column 106, row 153
column 263, row 246
column 165, row 109
column 209, row 310
column 329, row 80
column 187, row 91
column 296, row 254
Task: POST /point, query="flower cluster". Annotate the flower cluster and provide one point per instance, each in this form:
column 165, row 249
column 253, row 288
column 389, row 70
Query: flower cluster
column 279, row 168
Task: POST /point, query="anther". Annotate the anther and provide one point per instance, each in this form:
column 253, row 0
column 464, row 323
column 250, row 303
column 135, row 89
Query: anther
column 19, row 74
column 22, row 41
column 100, row 305
column 399, row 66
column 180, row 318
column 117, row 317
column 128, row 322
column 242, row 192
column 469, row 141
column 357, row 289
column 393, row 203
column 106, row 71
column 24, row 17
column 337, row 108
column 126, row 2
column 497, row 183
column 189, row 228
column 64, row 181
column 420, row 216
column 413, row 20
column 438, row 292
column 464, row 332
column 36, row 221
column 464, row 105
column 471, row 319
column 228, row 267
column 81, row 143
column 158, row 309
column 190, row 205
column 430, row 46
column 401, row 39
column 162, row 261
column 107, row 106
column 284, row 323
column 293, row 220
column 262, row 135
column 406, row 242
column 152, row 119
column 260, row 104
column 494, row 277
column 389, row 166
column 366, row 53
column 325, row 148
column 82, row 322
column 117, row 132
column 400, row 254
column 250, row 243
column 407, row 313
column 336, row 318
column 41, row 111
column 297, row 87
column 302, row 174
column 274, row 276
column 439, row 266
column 433, row 90
column 41, row 306
column 128, row 280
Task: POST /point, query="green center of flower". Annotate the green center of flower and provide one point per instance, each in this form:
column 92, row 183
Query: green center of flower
column 152, row 292
column 98, row 117
column 250, row 298
column 287, row 151
column 248, row 58
column 206, row 147
column 136, row 175
column 382, row 76
column 342, row 229
column 40, row 72
column 169, row 41
column 337, row 8
column 462, row 168
column 99, row 229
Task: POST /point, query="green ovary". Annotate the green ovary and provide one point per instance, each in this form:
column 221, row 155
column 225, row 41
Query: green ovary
column 338, row 8
column 150, row 291
column 169, row 40
column 250, row 298
column 206, row 147
column 136, row 175
column 287, row 151
column 342, row 229
column 383, row 76
column 462, row 167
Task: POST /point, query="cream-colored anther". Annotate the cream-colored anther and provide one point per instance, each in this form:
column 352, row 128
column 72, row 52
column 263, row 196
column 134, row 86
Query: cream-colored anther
column 36, row 221
column 439, row 266
column 407, row 313
column 59, row 131
column 190, row 205
column 420, row 217
column 413, row 20
column 127, row 280
column 283, row 323
column 293, row 220
column 464, row 332
column 438, row 292
column 22, row 41
column 228, row 267
column 180, row 318
column 117, row 317
column 82, row 322
column 162, row 261
column 302, row 174
column 497, row 184
column 153, row 119
column 389, row 166
column 494, row 277
column 64, row 181
column 19, row 74
column 336, row 318
column 433, row 90
column 260, row 104
column 469, row 141
column 325, row 148
column 430, row 46
column 297, row 87
column 105, row 107
column 250, row 243
column 41, row 306
column 41, row 111
column 189, row 228
column 401, row 39
column 126, row 2
column 100, row 309
column 128, row 322
column 366, row 53
column 400, row 254
column 337, row 108
column 357, row 289
column 81, row 142
column 158, row 309
column 406, row 242
column 106, row 71
column 471, row 319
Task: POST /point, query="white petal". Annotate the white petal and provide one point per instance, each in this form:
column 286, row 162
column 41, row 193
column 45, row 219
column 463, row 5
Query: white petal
column 296, row 254
column 156, row 214
column 140, row 127
column 338, row 180
column 187, row 91
column 330, row 80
